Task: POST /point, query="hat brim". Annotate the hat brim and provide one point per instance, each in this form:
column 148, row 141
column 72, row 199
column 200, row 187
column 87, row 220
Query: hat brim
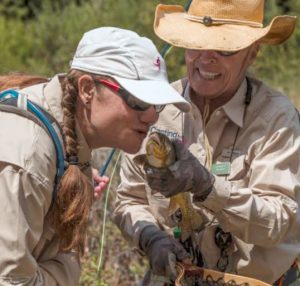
column 171, row 26
column 154, row 92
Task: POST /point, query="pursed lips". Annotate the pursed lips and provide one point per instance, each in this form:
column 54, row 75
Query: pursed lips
column 143, row 131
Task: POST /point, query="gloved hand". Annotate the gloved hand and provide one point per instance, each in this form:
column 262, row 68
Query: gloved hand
column 186, row 174
column 162, row 251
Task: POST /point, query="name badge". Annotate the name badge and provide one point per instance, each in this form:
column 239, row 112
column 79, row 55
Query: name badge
column 221, row 169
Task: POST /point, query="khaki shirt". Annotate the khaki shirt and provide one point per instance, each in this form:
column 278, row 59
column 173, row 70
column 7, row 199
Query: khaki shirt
column 29, row 248
column 258, row 202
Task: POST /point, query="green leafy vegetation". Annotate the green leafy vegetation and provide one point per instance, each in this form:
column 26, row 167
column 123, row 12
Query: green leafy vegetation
column 40, row 37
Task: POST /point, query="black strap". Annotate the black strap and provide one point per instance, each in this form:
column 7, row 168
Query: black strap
column 223, row 240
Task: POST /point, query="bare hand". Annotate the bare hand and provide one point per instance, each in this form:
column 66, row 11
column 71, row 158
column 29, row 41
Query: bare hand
column 100, row 183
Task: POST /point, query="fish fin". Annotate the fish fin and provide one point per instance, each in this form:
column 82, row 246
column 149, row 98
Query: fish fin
column 197, row 220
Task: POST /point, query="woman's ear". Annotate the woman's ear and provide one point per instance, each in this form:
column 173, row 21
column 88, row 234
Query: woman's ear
column 86, row 89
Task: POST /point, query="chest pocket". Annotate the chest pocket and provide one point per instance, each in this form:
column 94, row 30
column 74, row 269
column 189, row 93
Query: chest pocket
column 238, row 168
column 239, row 171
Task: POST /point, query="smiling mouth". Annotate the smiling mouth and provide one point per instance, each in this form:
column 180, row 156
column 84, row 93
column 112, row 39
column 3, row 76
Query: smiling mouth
column 209, row 75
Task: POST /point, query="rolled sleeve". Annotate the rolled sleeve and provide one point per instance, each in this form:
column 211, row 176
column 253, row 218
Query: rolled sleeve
column 218, row 197
column 264, row 211
column 132, row 211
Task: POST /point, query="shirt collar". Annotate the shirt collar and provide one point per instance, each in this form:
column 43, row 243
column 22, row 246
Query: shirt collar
column 235, row 107
column 53, row 96
column 194, row 109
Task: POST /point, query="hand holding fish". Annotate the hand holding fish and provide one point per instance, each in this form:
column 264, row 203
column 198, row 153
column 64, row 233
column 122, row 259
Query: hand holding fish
column 163, row 252
column 186, row 174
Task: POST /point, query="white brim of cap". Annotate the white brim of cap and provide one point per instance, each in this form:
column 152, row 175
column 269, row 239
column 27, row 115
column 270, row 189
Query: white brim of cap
column 154, row 92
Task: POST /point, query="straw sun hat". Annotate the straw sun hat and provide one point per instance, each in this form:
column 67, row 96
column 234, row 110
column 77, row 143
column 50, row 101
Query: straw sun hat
column 226, row 25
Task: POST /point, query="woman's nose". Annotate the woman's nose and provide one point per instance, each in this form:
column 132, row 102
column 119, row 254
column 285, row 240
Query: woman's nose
column 150, row 115
column 208, row 57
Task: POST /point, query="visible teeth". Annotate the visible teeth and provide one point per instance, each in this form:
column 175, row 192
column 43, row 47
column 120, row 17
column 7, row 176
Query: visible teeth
column 208, row 75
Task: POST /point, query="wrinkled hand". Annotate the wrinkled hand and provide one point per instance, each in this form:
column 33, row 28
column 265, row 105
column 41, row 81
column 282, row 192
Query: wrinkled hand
column 100, row 183
column 186, row 174
column 162, row 251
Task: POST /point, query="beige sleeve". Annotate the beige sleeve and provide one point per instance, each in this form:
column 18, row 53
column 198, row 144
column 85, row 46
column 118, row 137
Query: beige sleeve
column 132, row 212
column 265, row 211
column 24, row 203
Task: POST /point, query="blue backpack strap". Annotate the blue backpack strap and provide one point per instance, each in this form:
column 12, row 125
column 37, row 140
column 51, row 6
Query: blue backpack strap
column 8, row 103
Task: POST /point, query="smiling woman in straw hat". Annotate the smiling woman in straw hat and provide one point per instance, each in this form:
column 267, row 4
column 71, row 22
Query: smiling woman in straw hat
column 242, row 166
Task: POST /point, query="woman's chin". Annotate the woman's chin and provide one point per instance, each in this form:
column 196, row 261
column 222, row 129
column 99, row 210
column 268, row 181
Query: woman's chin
column 131, row 143
column 132, row 148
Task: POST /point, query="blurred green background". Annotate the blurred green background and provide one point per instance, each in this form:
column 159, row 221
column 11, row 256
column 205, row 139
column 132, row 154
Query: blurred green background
column 40, row 37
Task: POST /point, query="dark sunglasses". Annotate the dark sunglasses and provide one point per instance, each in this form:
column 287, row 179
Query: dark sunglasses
column 221, row 53
column 226, row 53
column 129, row 99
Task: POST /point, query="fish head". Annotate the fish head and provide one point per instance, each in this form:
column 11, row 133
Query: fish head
column 160, row 151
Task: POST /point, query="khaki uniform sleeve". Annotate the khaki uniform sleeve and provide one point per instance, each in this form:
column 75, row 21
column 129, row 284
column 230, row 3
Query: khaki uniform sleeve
column 264, row 211
column 25, row 202
column 132, row 212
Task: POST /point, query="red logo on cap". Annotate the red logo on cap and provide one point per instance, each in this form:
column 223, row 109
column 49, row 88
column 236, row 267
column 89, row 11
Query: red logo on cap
column 157, row 63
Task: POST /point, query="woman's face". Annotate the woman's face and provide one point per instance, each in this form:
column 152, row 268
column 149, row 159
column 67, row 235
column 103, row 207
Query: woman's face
column 107, row 121
column 216, row 76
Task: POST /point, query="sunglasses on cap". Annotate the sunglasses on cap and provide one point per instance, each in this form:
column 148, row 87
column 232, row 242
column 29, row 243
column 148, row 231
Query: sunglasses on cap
column 132, row 101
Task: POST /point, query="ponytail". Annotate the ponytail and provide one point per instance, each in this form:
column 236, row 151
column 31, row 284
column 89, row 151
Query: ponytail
column 20, row 80
column 70, row 211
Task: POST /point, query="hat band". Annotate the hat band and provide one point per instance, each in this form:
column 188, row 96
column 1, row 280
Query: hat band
column 208, row 21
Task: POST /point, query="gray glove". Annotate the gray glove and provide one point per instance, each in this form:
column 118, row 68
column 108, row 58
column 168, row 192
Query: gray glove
column 186, row 174
column 162, row 251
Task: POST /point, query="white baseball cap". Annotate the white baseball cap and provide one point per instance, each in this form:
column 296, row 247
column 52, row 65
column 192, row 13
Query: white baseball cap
column 133, row 61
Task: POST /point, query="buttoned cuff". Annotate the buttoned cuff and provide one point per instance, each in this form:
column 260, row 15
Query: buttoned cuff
column 218, row 197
